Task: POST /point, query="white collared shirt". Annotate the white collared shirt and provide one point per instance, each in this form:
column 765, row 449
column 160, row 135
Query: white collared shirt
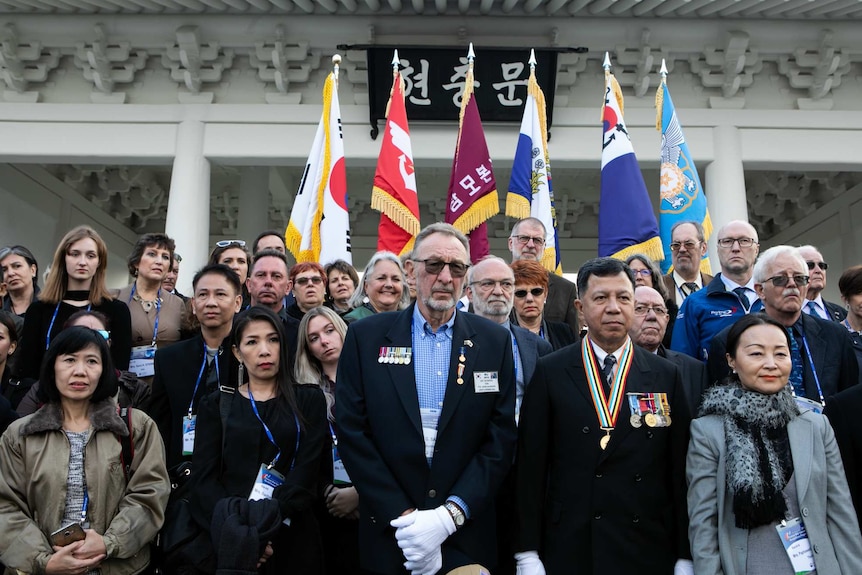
column 679, row 280
column 602, row 354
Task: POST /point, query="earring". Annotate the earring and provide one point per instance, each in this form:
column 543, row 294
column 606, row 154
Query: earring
column 240, row 373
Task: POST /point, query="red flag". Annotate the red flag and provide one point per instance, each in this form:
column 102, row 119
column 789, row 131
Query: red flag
column 394, row 192
column 472, row 189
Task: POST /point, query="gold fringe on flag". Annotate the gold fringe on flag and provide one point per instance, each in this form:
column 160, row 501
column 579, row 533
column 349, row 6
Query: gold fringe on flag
column 482, row 209
column 517, row 206
column 395, row 210
column 659, row 105
column 652, row 248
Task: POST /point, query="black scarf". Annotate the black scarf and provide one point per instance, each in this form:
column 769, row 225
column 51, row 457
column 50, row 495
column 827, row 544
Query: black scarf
column 759, row 463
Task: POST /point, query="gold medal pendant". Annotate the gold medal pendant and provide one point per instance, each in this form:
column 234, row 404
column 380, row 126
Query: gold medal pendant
column 650, row 419
column 603, row 442
column 636, row 420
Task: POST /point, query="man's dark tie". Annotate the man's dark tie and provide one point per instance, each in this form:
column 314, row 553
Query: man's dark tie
column 743, row 297
column 608, row 372
column 690, row 287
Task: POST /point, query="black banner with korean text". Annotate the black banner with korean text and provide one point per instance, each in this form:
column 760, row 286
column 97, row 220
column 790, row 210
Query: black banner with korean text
column 434, row 81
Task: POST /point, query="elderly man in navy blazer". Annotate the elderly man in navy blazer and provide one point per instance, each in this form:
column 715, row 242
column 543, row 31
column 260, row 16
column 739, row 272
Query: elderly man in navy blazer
column 425, row 406
column 491, row 289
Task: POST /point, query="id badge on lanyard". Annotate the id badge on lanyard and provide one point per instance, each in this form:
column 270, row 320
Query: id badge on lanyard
column 142, row 361
column 794, row 537
column 189, row 434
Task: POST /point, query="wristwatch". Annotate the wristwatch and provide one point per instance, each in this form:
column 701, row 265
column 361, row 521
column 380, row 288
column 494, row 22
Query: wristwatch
column 457, row 515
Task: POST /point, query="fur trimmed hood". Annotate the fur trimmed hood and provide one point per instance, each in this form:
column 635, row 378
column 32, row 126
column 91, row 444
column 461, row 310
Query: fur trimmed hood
column 103, row 417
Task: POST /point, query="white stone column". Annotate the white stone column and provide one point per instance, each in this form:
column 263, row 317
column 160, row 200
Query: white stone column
column 725, row 184
column 253, row 212
column 188, row 219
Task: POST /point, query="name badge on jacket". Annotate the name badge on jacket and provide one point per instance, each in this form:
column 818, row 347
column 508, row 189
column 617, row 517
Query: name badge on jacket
column 486, row 382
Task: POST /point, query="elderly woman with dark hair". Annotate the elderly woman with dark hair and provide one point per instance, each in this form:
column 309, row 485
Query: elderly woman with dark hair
column 648, row 274
column 69, row 502
column 383, row 288
column 343, row 280
column 156, row 314
column 19, row 270
column 763, row 474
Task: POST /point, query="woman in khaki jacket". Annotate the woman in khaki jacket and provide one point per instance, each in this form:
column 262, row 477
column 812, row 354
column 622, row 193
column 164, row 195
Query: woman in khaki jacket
column 66, row 505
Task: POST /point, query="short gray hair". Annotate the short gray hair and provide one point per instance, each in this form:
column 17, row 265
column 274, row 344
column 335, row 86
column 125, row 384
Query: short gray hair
column 768, row 257
column 530, row 220
column 441, row 228
column 359, row 294
column 697, row 226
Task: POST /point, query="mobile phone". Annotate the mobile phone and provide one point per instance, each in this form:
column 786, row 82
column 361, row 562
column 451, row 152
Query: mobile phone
column 68, row 534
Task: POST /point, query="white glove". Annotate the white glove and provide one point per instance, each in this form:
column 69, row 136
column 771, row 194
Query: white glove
column 683, row 567
column 528, row 563
column 422, row 532
column 428, row 566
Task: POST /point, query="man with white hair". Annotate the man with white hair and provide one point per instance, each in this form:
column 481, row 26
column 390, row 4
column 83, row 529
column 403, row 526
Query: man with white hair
column 823, row 359
column 816, row 305
column 491, row 290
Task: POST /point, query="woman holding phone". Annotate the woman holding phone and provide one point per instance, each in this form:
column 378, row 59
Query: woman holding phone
column 63, row 476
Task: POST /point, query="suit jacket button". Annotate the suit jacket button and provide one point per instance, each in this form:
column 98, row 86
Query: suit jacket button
column 637, row 477
column 373, row 519
column 432, row 493
column 816, row 548
column 805, row 512
column 586, row 429
column 636, row 519
column 597, row 516
column 598, row 475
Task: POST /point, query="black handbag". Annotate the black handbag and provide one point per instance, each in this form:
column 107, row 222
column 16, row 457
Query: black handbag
column 183, row 547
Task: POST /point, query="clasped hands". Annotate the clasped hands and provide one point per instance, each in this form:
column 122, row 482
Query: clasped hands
column 419, row 535
column 78, row 557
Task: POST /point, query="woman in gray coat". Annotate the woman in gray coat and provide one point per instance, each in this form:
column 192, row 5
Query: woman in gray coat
column 762, row 473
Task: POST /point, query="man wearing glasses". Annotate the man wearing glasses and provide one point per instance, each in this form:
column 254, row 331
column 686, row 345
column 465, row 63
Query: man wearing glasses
column 823, row 358
column 816, row 305
column 425, row 403
column 648, row 330
column 729, row 296
column 527, row 242
column 687, row 248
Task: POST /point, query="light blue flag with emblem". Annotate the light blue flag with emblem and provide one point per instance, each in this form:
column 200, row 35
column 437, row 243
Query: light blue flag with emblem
column 682, row 198
column 530, row 191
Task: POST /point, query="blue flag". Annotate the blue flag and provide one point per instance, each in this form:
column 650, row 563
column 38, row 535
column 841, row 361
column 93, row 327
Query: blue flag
column 627, row 224
column 530, row 191
column 682, row 198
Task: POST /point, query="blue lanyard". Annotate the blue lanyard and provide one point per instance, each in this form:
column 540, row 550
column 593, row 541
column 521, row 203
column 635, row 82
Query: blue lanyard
column 269, row 433
column 516, row 355
column 158, row 310
column 813, row 370
column 332, row 432
column 53, row 319
column 200, row 375
column 84, row 507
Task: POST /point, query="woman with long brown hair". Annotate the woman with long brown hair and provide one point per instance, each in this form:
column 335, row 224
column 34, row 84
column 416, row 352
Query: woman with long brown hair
column 76, row 282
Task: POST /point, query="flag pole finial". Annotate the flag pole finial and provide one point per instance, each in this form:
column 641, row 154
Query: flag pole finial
column 606, row 64
column 395, row 61
column 336, row 60
column 471, row 55
column 532, row 59
column 663, row 70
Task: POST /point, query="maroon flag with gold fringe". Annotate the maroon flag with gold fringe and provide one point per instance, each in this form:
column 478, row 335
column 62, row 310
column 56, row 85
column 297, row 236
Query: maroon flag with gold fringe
column 472, row 196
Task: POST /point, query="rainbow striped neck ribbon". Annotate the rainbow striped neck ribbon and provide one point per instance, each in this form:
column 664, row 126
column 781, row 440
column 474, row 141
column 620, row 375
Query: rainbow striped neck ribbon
column 607, row 412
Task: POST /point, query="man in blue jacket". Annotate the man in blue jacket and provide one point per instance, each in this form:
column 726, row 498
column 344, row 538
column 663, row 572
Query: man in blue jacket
column 729, row 296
